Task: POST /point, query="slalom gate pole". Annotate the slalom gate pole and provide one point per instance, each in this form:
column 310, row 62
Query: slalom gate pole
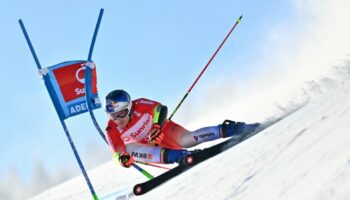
column 206, row 66
column 48, row 87
column 88, row 91
column 95, row 34
column 88, row 77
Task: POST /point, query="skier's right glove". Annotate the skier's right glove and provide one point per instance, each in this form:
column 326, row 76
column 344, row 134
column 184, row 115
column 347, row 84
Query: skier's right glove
column 126, row 160
column 156, row 135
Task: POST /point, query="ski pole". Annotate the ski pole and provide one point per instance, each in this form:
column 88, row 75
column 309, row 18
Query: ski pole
column 206, row 66
column 144, row 172
column 152, row 165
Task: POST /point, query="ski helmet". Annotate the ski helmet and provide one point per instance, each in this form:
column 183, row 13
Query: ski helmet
column 118, row 104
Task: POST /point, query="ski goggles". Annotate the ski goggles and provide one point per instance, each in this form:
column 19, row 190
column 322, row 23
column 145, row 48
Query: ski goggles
column 119, row 115
column 113, row 106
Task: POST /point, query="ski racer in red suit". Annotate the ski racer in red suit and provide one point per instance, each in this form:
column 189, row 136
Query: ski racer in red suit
column 138, row 130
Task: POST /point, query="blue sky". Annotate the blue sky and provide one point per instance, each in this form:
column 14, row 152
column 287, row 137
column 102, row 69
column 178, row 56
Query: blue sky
column 153, row 49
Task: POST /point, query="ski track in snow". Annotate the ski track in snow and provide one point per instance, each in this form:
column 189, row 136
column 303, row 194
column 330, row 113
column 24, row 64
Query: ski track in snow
column 304, row 156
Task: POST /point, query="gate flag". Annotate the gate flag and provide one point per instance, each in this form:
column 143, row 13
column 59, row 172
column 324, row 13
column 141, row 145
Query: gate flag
column 65, row 83
column 67, row 87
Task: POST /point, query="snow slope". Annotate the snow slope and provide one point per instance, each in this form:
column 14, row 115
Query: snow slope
column 304, row 156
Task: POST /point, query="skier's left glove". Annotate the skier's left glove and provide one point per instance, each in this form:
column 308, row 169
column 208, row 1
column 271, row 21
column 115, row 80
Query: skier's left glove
column 126, row 160
column 156, row 135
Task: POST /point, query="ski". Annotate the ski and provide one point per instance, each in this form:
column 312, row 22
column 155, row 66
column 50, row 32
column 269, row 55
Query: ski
column 189, row 162
column 202, row 155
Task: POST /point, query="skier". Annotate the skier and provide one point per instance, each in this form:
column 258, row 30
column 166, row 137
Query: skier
column 138, row 130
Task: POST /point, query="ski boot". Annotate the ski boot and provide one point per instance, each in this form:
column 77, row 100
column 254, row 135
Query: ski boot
column 173, row 155
column 177, row 156
column 237, row 129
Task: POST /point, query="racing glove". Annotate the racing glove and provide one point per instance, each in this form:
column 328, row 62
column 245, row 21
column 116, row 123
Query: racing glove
column 155, row 136
column 126, row 160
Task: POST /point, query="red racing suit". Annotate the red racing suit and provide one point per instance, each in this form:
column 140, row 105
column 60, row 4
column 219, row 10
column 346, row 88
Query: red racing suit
column 142, row 118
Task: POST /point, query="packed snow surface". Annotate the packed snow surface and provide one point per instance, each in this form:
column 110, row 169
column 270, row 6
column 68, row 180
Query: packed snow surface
column 304, row 156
